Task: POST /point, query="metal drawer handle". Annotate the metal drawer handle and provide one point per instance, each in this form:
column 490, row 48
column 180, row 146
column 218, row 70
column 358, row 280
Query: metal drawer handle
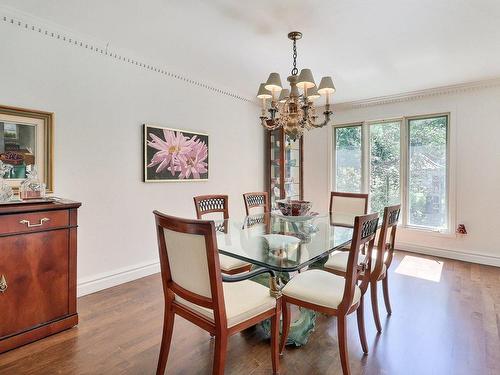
column 29, row 225
column 3, row 284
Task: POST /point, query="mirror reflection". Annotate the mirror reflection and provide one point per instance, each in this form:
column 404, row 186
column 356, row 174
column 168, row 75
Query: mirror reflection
column 17, row 148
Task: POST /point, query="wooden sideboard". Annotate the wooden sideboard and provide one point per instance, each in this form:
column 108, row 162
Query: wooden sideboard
column 37, row 271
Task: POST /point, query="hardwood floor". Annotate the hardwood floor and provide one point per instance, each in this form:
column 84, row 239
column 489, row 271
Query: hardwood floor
column 446, row 327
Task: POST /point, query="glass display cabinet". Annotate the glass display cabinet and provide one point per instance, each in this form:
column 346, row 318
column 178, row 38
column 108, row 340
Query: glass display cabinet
column 285, row 160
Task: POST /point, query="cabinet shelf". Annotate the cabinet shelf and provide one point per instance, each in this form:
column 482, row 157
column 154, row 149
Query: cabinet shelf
column 286, row 166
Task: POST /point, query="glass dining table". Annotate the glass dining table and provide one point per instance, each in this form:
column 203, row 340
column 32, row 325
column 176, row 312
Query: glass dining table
column 285, row 245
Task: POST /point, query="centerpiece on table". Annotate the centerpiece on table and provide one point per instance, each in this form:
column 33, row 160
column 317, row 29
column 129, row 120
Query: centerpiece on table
column 298, row 214
column 294, row 210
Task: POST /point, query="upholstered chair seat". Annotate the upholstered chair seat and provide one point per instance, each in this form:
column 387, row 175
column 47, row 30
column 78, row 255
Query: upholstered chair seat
column 337, row 261
column 319, row 288
column 230, row 265
column 243, row 300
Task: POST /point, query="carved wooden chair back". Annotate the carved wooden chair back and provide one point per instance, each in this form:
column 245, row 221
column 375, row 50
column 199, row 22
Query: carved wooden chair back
column 207, row 204
column 349, row 203
column 184, row 245
column 385, row 246
column 365, row 229
column 256, row 199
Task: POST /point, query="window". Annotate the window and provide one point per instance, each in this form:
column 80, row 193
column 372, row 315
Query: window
column 9, row 130
column 427, row 166
column 348, row 159
column 397, row 161
column 385, row 158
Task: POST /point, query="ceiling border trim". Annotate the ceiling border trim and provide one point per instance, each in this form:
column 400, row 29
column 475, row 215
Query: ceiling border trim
column 37, row 25
column 420, row 94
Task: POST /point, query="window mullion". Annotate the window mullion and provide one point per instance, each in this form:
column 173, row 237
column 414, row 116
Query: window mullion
column 403, row 165
column 365, row 158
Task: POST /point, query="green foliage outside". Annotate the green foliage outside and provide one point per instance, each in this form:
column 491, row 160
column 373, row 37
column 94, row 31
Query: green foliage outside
column 348, row 160
column 426, row 174
column 384, row 165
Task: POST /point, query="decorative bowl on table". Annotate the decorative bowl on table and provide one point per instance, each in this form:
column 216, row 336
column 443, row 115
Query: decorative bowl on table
column 294, row 207
column 280, row 245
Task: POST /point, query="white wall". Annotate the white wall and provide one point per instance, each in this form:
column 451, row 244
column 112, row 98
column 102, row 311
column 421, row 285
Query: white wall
column 100, row 104
column 475, row 127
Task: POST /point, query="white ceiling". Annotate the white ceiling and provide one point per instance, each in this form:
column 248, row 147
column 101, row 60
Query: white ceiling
column 371, row 48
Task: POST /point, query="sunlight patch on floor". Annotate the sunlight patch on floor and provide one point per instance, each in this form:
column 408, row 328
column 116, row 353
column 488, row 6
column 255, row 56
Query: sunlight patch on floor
column 427, row 269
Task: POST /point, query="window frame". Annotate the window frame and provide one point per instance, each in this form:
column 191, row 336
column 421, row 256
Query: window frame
column 404, row 122
column 406, row 212
column 369, row 152
column 334, row 155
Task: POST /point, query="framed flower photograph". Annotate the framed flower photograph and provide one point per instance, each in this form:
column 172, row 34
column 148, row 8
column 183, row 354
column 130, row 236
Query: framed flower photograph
column 174, row 155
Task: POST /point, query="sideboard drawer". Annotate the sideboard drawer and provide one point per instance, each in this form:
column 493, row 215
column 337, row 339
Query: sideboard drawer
column 35, row 268
column 33, row 221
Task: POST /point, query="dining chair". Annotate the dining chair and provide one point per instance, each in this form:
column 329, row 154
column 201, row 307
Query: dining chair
column 349, row 203
column 335, row 295
column 381, row 261
column 195, row 289
column 207, row 204
column 345, row 206
column 214, row 204
column 255, row 200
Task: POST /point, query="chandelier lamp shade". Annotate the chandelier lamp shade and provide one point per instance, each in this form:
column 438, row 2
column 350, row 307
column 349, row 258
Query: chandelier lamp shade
column 284, row 94
column 293, row 109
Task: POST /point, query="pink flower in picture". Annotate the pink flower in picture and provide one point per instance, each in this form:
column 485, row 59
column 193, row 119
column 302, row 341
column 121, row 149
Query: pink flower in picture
column 183, row 155
column 194, row 163
column 174, row 146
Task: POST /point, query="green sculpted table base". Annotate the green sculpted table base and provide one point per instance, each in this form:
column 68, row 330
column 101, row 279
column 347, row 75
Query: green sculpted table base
column 302, row 327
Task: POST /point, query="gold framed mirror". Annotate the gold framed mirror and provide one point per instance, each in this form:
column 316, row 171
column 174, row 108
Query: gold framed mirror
column 26, row 141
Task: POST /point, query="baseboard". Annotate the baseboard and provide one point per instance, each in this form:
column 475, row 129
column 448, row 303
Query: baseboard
column 119, row 276
column 450, row 254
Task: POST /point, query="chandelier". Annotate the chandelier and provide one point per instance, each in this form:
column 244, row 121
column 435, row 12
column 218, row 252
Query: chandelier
column 289, row 108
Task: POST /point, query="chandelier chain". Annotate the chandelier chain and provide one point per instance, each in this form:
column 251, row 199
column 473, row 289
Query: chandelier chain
column 294, row 70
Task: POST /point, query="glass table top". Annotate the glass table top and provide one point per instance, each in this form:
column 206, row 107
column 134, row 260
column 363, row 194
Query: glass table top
column 273, row 241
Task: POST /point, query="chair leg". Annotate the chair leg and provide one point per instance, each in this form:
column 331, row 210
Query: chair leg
column 373, row 293
column 168, row 328
column 342, row 336
column 385, row 285
column 360, row 315
column 275, row 335
column 220, row 353
column 286, row 324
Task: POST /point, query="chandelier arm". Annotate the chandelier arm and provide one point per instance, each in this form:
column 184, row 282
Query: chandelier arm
column 273, row 110
column 269, row 124
column 305, row 108
column 327, row 119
